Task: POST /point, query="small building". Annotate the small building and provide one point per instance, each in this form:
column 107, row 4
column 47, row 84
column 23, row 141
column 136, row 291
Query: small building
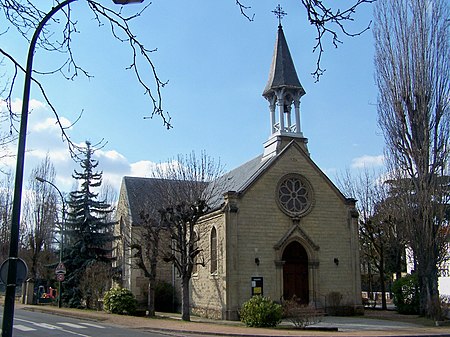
column 281, row 228
column 135, row 197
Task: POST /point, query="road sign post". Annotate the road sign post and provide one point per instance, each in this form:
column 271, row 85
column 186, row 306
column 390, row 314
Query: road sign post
column 60, row 272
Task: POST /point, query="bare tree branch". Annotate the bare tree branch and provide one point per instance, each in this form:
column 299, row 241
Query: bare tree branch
column 244, row 10
column 119, row 25
column 74, row 149
column 56, row 37
column 328, row 21
column 332, row 22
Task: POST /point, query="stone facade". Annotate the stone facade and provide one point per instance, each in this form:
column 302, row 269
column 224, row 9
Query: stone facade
column 252, row 227
column 134, row 198
column 279, row 227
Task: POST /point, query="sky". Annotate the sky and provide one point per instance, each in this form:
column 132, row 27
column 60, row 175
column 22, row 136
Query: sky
column 216, row 63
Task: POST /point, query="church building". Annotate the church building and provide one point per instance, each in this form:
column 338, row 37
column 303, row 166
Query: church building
column 280, row 229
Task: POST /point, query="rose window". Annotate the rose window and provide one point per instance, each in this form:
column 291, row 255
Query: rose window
column 294, row 195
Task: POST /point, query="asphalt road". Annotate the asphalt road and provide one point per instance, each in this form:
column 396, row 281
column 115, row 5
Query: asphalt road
column 38, row 324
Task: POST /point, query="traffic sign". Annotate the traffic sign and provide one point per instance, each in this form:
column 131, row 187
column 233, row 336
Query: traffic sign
column 21, row 274
column 60, row 269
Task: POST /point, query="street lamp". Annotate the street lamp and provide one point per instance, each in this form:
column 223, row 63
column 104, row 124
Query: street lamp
column 8, row 310
column 63, row 222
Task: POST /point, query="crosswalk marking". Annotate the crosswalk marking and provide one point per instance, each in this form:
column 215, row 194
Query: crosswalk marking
column 32, row 326
column 72, row 325
column 93, row 325
column 47, row 326
column 23, row 327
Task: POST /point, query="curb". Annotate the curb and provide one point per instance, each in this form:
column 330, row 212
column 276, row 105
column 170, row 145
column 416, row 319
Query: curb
column 209, row 328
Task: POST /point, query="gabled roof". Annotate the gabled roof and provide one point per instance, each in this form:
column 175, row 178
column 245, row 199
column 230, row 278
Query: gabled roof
column 149, row 195
column 139, row 192
column 241, row 178
column 282, row 71
column 238, row 179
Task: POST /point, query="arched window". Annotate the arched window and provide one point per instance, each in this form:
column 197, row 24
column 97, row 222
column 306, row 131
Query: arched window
column 213, row 250
column 194, row 248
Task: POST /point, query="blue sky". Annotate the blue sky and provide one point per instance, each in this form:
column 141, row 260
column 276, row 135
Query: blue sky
column 217, row 65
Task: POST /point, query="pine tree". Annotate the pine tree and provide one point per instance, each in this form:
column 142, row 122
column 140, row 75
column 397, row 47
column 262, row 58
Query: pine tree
column 89, row 233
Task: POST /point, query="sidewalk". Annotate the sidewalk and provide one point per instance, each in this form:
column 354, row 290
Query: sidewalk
column 369, row 325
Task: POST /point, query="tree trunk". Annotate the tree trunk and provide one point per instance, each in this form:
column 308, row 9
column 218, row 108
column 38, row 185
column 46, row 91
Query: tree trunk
column 185, row 303
column 383, row 292
column 151, row 299
column 430, row 301
column 382, row 281
column 369, row 273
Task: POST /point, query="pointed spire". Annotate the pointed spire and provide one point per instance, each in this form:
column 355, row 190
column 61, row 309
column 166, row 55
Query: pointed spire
column 282, row 71
column 283, row 92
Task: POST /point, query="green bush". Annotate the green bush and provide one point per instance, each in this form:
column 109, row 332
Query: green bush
column 119, row 301
column 261, row 311
column 406, row 294
column 166, row 299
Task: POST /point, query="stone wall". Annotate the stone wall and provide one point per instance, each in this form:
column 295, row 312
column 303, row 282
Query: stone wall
column 262, row 231
column 208, row 292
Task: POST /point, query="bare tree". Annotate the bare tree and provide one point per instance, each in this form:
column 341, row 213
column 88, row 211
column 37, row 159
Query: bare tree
column 96, row 280
column 413, row 77
column 40, row 219
column 187, row 187
column 57, row 36
column 108, row 193
column 143, row 244
column 146, row 250
column 380, row 232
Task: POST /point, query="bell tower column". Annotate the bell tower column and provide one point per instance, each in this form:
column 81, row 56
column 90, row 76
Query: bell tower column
column 298, row 127
column 272, row 108
column 283, row 90
column 280, row 103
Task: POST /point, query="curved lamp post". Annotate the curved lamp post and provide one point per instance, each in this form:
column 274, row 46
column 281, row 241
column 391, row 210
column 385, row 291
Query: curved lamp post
column 61, row 242
column 8, row 310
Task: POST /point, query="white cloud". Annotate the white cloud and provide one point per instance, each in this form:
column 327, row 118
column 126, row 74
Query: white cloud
column 56, row 154
column 50, row 124
column 111, row 155
column 35, row 105
column 16, row 105
column 367, row 161
column 44, row 138
column 112, row 162
column 142, row 168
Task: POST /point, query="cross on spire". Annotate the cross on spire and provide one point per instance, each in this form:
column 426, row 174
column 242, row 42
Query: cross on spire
column 279, row 13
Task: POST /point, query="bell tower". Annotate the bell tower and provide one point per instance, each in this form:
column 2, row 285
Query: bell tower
column 283, row 92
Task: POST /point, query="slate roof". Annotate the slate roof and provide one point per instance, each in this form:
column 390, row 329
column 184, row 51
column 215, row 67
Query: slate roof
column 282, row 71
column 140, row 192
column 238, row 179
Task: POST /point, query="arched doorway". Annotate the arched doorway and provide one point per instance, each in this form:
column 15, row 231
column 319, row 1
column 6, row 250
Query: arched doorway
column 295, row 273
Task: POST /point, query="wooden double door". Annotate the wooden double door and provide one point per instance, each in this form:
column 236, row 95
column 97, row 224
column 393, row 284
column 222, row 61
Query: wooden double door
column 295, row 273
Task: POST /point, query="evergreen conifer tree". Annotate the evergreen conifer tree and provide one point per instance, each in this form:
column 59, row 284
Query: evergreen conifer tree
column 89, row 233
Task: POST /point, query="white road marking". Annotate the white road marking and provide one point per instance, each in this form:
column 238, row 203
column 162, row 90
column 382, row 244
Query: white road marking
column 23, row 327
column 56, row 327
column 72, row 325
column 47, row 326
column 93, row 325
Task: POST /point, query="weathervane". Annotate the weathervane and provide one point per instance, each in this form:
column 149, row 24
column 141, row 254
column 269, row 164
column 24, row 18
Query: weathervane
column 279, row 13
